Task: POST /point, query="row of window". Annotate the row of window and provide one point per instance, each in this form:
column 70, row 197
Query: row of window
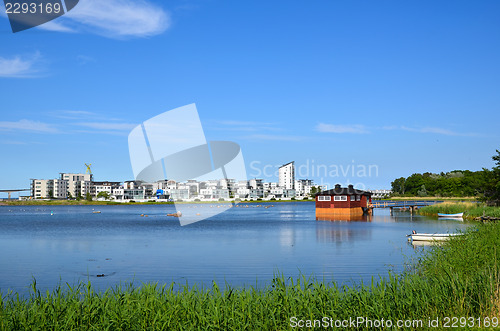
column 338, row 198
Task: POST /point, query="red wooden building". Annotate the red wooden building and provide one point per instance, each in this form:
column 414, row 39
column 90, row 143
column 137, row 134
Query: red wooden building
column 342, row 201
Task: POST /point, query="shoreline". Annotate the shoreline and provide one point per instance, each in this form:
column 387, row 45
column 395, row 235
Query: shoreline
column 114, row 203
column 472, row 211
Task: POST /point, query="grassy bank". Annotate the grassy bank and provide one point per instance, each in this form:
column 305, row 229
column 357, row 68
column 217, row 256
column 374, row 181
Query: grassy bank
column 470, row 210
column 431, row 198
column 457, row 279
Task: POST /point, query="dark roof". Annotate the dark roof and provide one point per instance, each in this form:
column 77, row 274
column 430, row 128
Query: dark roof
column 284, row 165
column 350, row 190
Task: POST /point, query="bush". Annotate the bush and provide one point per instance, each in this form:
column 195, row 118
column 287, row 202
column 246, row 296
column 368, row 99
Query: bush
column 197, row 200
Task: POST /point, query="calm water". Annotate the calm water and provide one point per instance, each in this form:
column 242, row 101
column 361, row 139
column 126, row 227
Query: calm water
column 242, row 246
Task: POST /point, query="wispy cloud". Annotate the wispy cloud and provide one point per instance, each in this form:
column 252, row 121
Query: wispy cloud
column 73, row 114
column 108, row 126
column 113, row 19
column 336, row 128
column 428, row 129
column 19, row 67
column 270, row 137
column 56, row 27
column 28, row 125
column 246, row 126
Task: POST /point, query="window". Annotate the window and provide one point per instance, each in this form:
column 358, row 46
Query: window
column 353, row 198
column 358, row 197
column 324, row 198
column 340, row 198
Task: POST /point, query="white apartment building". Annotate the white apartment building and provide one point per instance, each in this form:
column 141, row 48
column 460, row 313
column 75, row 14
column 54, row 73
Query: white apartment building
column 77, row 184
column 303, row 186
column 49, row 188
column 108, row 187
column 256, row 184
column 287, row 176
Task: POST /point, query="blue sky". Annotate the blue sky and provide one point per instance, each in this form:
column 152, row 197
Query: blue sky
column 406, row 86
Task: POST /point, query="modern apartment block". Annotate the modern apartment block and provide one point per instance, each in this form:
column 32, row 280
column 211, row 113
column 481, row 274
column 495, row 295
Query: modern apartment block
column 287, row 176
column 49, row 188
column 78, row 184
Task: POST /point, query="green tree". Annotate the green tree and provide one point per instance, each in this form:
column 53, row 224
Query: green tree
column 422, row 192
column 493, row 187
column 398, row 185
column 103, row 194
column 69, row 195
column 88, row 196
column 51, row 194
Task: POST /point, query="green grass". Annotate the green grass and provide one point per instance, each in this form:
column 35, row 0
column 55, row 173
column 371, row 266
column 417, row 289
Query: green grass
column 460, row 278
column 470, row 210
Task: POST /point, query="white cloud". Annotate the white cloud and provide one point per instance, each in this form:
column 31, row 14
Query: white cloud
column 19, row 67
column 108, row 126
column 27, row 125
column 333, row 128
column 113, row 18
column 428, row 129
column 270, row 137
column 55, row 26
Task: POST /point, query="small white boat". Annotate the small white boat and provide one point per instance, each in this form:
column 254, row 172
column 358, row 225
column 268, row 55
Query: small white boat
column 431, row 236
column 459, row 215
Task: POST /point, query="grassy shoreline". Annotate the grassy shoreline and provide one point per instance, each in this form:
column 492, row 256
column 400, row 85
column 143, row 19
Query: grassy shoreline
column 470, row 210
column 432, row 198
column 460, row 278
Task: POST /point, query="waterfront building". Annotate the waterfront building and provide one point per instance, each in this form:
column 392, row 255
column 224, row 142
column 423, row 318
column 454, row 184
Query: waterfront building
column 303, row 186
column 380, row 194
column 242, row 193
column 180, row 194
column 78, row 184
column 342, row 201
column 98, row 187
column 49, row 189
column 256, row 193
column 287, row 176
column 256, row 184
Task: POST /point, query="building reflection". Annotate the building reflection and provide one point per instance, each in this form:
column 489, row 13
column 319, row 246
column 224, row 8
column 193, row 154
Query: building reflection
column 345, row 218
column 341, row 229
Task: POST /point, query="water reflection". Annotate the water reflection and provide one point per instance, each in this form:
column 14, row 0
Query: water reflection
column 341, row 232
column 345, row 218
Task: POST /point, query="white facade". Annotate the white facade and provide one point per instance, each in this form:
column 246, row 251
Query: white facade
column 49, row 188
column 287, row 176
column 303, row 186
column 77, row 184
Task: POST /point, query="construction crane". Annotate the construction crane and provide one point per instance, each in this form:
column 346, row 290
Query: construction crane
column 89, row 171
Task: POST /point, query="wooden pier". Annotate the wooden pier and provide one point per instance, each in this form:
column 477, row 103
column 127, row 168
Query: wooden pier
column 410, row 205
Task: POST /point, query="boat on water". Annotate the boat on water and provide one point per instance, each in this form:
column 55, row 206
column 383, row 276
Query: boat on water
column 458, row 215
column 431, row 236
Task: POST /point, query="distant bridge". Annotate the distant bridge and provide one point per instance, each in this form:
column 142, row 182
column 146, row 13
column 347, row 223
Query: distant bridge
column 14, row 190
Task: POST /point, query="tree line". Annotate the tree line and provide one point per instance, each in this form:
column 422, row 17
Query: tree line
column 484, row 184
